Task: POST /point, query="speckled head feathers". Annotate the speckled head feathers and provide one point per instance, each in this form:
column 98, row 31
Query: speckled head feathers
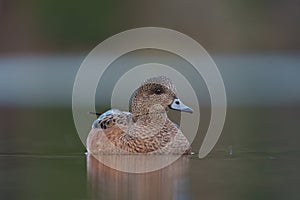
column 154, row 91
column 163, row 81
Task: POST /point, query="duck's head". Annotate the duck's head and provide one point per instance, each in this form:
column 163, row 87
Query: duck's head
column 154, row 95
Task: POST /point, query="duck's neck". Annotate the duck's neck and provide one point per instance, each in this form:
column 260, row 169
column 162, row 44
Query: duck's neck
column 149, row 112
column 140, row 106
column 140, row 109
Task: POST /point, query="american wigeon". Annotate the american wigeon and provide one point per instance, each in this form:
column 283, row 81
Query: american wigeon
column 146, row 128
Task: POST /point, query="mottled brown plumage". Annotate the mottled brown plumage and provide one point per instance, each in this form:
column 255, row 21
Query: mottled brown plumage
column 146, row 129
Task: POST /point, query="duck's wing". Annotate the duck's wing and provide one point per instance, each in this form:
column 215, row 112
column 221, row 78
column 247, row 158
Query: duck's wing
column 109, row 132
column 112, row 118
column 115, row 132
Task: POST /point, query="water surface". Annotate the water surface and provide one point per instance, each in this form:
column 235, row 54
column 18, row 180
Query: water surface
column 256, row 157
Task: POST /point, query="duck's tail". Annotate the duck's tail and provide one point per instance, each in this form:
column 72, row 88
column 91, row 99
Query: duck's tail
column 95, row 113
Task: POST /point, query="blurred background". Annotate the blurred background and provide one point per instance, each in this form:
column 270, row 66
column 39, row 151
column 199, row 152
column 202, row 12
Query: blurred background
column 255, row 44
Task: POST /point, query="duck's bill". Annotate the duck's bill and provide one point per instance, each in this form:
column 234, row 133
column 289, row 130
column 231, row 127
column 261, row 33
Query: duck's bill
column 178, row 105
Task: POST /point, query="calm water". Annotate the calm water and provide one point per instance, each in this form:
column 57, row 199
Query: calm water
column 257, row 157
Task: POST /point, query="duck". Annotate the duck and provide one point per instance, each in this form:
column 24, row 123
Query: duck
column 146, row 128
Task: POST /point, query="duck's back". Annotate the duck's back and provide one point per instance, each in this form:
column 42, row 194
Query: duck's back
column 116, row 132
column 106, row 130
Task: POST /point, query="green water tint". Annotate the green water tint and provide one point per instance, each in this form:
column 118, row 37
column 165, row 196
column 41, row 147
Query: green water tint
column 257, row 157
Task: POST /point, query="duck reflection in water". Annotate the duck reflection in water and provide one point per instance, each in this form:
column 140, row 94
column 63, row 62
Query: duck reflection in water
column 107, row 183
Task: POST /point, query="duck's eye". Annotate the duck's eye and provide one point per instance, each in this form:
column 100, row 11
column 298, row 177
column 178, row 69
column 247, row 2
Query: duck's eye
column 157, row 91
